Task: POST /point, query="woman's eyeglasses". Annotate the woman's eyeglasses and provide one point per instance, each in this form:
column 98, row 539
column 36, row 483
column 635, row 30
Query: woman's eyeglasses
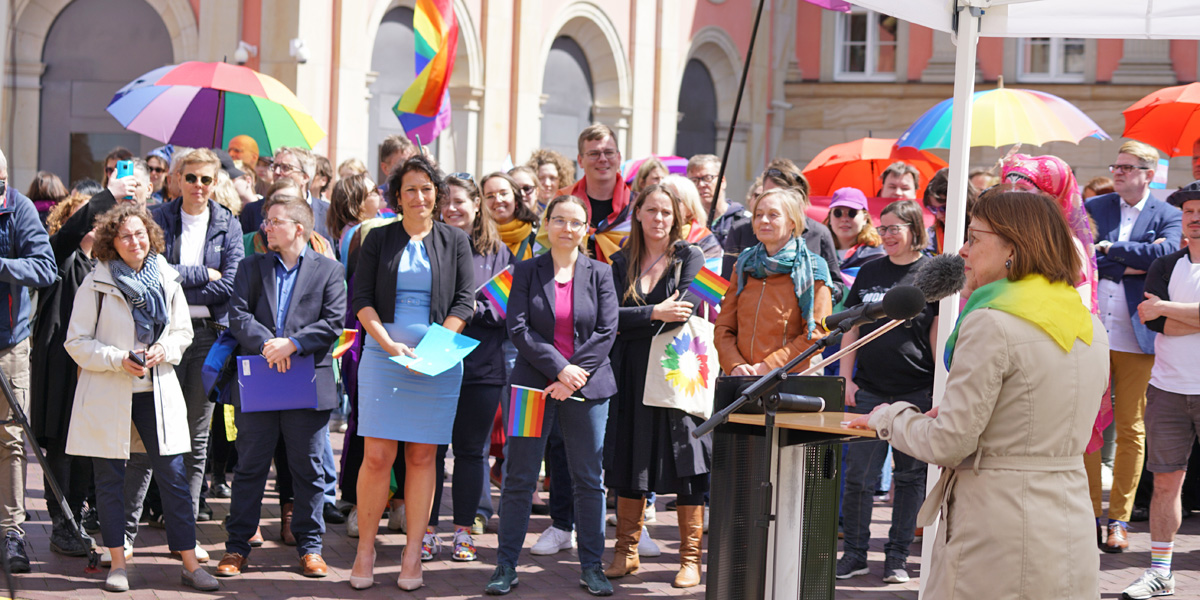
column 972, row 238
column 937, row 210
column 845, row 213
column 157, row 170
column 568, row 224
column 192, row 178
column 891, row 229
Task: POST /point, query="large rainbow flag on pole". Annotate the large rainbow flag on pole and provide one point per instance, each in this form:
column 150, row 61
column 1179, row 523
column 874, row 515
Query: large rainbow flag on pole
column 424, row 109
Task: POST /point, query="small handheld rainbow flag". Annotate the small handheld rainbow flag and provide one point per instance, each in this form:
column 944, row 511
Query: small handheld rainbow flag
column 344, row 342
column 497, row 290
column 526, row 411
column 709, row 287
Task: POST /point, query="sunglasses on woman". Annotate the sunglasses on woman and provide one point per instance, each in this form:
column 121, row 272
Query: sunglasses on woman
column 192, row 178
column 846, row 213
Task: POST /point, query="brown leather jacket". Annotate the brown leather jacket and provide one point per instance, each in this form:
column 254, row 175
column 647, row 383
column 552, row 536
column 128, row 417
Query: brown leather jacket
column 764, row 324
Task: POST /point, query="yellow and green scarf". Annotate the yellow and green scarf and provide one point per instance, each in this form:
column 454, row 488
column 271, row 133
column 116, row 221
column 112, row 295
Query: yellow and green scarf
column 513, row 233
column 1053, row 307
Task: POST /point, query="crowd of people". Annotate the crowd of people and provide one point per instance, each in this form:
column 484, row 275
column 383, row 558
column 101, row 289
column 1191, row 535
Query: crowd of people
column 125, row 295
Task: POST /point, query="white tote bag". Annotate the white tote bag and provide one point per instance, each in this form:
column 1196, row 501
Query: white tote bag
column 682, row 370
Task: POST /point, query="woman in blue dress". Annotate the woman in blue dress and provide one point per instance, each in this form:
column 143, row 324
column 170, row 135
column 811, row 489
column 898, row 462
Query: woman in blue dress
column 411, row 273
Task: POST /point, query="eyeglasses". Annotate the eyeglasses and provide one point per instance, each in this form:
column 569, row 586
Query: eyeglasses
column 848, row 213
column 109, row 170
column 277, row 222
column 971, row 231
column 134, row 237
column 464, row 176
column 283, row 168
column 157, row 170
column 937, row 210
column 596, row 154
column 891, row 229
column 192, row 178
column 699, row 179
column 777, row 174
column 568, row 224
column 1126, row 168
column 527, row 189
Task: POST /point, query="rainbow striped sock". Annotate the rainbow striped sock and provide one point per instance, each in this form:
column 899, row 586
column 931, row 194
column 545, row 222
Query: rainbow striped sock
column 1160, row 556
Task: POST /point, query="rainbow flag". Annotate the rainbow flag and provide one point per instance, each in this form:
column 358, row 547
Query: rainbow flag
column 497, row 289
column 344, row 342
column 709, row 286
column 424, row 109
column 525, row 412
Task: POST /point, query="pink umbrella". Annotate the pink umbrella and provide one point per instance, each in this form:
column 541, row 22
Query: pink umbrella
column 675, row 164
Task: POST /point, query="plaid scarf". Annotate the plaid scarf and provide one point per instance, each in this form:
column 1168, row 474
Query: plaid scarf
column 144, row 292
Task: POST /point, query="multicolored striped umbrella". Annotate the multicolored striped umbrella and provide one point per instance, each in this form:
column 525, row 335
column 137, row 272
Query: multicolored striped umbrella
column 204, row 105
column 1006, row 116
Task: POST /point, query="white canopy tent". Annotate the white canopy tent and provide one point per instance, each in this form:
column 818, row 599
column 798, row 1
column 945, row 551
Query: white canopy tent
column 966, row 21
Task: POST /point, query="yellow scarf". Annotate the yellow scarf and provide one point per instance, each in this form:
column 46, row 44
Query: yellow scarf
column 513, row 233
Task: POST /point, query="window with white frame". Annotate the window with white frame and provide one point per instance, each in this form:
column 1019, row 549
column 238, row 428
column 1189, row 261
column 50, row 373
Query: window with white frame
column 866, row 46
column 1059, row 60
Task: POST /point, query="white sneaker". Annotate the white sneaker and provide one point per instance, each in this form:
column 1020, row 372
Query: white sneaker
column 646, row 545
column 352, row 523
column 201, row 554
column 650, row 516
column 1151, row 584
column 552, row 541
column 397, row 521
column 611, row 520
column 106, row 556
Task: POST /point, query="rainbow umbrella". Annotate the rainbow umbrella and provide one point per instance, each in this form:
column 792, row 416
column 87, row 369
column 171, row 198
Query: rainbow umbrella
column 1168, row 119
column 1006, row 116
column 204, row 105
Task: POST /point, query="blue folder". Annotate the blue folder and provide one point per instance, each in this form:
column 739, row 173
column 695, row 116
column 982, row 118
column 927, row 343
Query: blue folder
column 439, row 350
column 264, row 388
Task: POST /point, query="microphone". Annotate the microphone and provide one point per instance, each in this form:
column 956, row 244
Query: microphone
column 941, row 276
column 798, row 403
column 900, row 303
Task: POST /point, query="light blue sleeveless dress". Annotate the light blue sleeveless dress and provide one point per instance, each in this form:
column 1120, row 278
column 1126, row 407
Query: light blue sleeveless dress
column 393, row 402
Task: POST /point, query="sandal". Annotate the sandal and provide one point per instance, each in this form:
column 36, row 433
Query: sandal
column 430, row 545
column 464, row 546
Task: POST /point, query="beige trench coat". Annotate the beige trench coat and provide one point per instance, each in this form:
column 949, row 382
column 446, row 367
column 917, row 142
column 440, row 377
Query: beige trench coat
column 101, row 424
column 1011, row 432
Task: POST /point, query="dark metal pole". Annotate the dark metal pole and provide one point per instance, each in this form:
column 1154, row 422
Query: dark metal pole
column 737, row 105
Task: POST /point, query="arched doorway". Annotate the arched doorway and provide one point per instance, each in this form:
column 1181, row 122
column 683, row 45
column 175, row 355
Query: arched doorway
column 567, row 88
column 92, row 50
column 696, row 132
column 394, row 69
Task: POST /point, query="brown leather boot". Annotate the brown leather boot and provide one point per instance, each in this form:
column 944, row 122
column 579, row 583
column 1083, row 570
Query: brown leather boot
column 285, row 524
column 691, row 530
column 630, row 514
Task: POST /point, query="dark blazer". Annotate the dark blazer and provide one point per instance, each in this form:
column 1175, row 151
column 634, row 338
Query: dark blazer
column 453, row 290
column 1157, row 220
column 485, row 365
column 223, row 250
column 531, row 325
column 318, row 307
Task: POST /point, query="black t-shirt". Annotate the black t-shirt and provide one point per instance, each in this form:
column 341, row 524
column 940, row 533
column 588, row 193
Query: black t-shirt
column 600, row 210
column 901, row 360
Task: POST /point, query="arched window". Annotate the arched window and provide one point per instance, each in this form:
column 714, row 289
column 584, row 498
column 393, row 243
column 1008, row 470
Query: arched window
column 92, row 50
column 567, row 88
column 696, row 132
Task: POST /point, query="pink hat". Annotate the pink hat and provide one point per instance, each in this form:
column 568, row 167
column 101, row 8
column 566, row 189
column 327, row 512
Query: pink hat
column 850, row 198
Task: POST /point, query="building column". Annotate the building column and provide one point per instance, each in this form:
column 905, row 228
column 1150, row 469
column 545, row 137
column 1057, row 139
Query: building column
column 940, row 68
column 738, row 164
column 619, row 118
column 218, row 37
column 464, row 127
column 1145, row 62
column 23, row 99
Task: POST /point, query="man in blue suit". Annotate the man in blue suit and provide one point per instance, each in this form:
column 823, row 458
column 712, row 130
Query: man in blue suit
column 1133, row 230
column 287, row 303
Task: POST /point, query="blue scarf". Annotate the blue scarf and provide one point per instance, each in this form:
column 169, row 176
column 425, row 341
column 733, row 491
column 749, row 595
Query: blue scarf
column 144, row 292
column 793, row 259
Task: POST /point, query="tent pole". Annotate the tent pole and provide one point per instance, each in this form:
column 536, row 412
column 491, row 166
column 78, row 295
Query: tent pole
column 737, row 105
column 956, row 217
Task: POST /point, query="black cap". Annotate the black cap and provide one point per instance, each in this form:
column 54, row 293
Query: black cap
column 1190, row 191
column 227, row 164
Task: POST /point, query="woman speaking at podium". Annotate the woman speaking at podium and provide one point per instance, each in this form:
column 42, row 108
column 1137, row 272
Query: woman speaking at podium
column 779, row 292
column 1028, row 364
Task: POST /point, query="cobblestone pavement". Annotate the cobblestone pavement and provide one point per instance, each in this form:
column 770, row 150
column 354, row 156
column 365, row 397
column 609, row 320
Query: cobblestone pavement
column 274, row 571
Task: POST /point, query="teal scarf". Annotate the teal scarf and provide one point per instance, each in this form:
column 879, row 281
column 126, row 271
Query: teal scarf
column 793, row 259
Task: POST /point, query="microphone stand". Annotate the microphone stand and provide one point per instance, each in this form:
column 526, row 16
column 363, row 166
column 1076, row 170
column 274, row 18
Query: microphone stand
column 855, row 346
